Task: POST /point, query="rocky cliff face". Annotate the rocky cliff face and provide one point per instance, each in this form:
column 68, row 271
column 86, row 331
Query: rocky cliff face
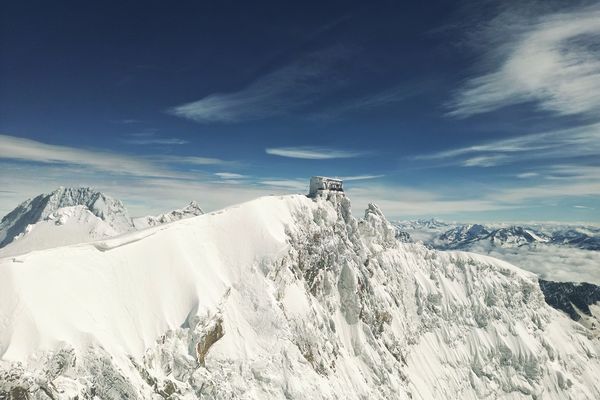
column 284, row 298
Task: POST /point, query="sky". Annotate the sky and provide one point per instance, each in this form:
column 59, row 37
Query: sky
column 464, row 110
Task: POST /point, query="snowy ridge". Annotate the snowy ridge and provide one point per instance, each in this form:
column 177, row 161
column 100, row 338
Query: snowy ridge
column 191, row 210
column 283, row 297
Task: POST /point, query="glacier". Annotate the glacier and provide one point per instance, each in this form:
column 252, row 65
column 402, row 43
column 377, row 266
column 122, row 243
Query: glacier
column 283, row 297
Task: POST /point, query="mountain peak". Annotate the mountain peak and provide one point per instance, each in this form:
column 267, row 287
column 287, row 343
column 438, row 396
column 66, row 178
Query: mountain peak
column 193, row 209
column 38, row 208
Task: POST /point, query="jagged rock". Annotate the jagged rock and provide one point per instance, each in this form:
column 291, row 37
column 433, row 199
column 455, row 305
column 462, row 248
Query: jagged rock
column 191, row 210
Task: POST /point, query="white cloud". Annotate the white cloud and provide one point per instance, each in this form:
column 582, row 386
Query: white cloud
column 156, row 140
column 574, row 188
column 276, row 93
column 556, row 263
column 375, row 100
column 575, row 142
column 361, row 177
column 294, row 184
column 485, row 160
column 229, row 175
column 313, row 153
column 552, row 60
column 526, row 175
column 15, row 148
column 191, row 160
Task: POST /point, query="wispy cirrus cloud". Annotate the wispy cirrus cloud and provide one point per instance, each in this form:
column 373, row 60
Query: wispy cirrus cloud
column 313, row 153
column 150, row 137
column 191, row 160
column 552, row 60
column 295, row 87
column 290, row 184
column 279, row 92
column 361, row 177
column 371, row 101
column 527, row 175
column 554, row 145
column 156, row 141
column 16, row 148
column 229, row 175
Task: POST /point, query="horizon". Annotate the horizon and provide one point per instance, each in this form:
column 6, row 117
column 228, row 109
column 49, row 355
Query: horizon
column 463, row 112
column 356, row 211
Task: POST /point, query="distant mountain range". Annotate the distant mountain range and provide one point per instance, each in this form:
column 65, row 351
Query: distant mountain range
column 456, row 236
column 557, row 253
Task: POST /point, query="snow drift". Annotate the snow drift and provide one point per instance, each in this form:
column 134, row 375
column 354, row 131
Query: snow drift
column 283, row 298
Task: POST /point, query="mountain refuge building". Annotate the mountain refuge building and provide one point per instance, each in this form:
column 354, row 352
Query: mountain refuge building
column 323, row 184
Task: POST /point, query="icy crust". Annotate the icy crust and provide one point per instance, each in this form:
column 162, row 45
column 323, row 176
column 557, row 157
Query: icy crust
column 283, row 298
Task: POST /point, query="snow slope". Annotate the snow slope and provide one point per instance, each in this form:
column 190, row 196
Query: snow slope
column 67, row 225
column 283, row 298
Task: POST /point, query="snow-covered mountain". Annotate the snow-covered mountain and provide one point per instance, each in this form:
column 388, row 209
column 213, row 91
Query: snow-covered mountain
column 464, row 236
column 43, row 208
column 283, row 298
column 587, row 238
column 74, row 215
column 440, row 234
column 555, row 252
column 191, row 210
column 581, row 301
column 67, row 225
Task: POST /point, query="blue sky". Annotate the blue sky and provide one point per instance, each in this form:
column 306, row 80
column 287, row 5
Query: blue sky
column 460, row 110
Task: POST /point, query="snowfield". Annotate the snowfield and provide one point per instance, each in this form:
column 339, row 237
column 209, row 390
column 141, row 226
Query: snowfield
column 282, row 298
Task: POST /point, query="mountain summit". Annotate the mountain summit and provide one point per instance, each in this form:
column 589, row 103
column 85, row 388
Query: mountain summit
column 283, row 298
column 74, row 215
column 112, row 212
